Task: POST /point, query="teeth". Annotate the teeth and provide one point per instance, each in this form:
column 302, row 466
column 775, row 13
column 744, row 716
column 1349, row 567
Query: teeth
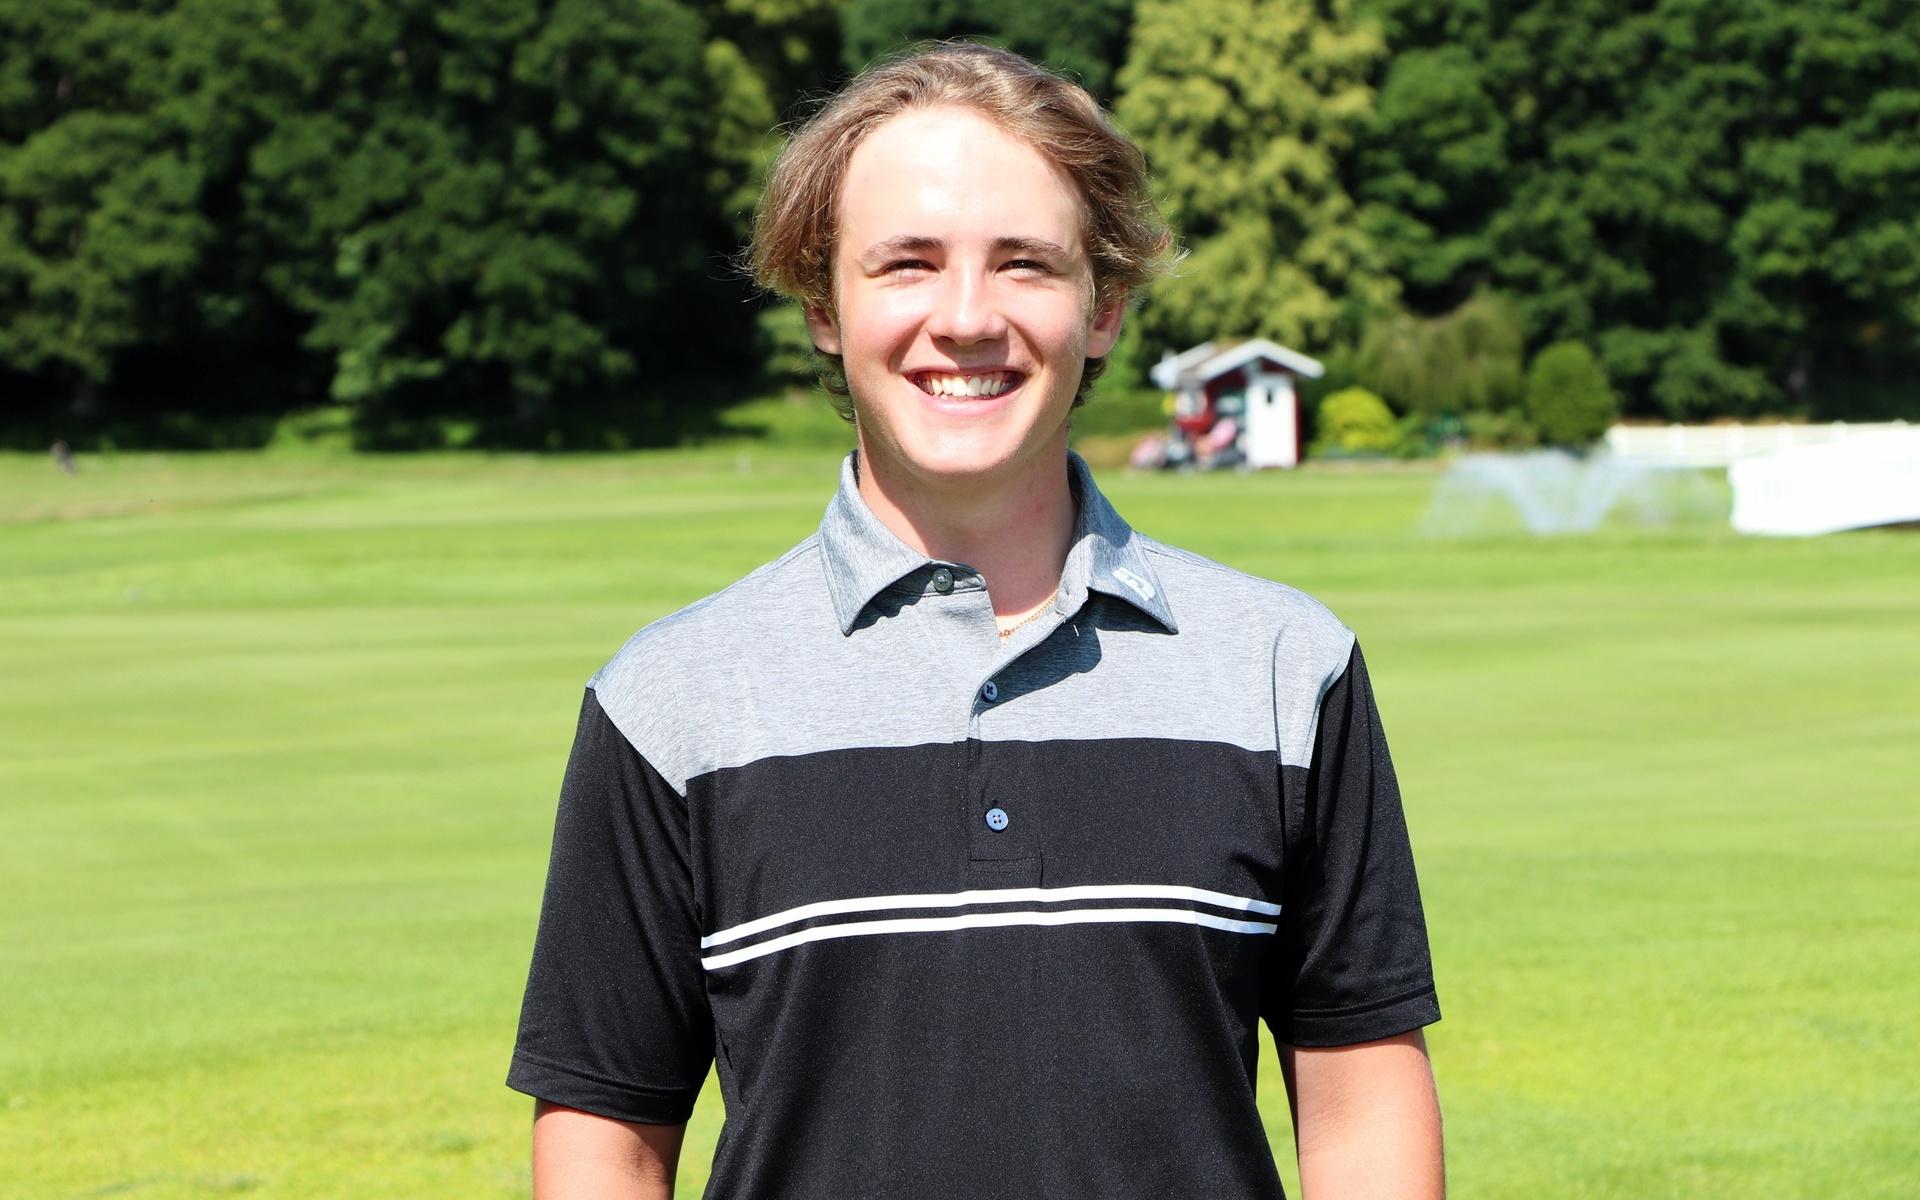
column 967, row 385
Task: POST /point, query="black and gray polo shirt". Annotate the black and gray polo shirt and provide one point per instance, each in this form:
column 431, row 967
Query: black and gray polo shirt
column 971, row 917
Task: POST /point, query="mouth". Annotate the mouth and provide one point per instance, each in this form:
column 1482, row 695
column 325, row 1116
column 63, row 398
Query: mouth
column 979, row 384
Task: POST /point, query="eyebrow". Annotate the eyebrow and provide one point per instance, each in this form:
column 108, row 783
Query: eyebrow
column 919, row 244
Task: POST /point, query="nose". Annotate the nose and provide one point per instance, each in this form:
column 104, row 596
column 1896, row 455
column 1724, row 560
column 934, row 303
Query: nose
column 964, row 311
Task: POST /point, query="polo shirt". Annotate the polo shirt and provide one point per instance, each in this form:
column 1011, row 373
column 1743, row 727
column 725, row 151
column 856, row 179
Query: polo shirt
column 964, row 916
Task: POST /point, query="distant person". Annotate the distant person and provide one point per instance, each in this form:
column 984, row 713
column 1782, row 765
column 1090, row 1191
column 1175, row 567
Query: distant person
column 63, row 456
column 972, row 836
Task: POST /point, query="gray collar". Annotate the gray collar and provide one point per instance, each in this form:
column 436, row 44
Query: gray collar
column 863, row 556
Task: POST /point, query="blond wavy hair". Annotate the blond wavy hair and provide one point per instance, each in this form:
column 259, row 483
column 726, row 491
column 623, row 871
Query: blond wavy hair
column 796, row 226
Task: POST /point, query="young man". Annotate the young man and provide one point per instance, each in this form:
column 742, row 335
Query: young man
column 974, row 835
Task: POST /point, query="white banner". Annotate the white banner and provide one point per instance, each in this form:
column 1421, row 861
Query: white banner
column 1867, row 479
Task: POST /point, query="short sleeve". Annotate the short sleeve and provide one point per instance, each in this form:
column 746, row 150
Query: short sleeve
column 1351, row 962
column 615, row 1020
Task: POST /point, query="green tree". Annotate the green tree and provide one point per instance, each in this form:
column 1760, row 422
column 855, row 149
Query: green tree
column 1087, row 39
column 1433, row 162
column 1468, row 360
column 519, row 213
column 1825, row 233
column 794, row 45
column 1720, row 197
column 763, row 58
column 101, row 183
column 492, row 206
column 1247, row 110
column 1568, row 397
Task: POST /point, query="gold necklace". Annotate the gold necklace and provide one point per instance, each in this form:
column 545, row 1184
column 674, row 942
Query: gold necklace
column 1035, row 615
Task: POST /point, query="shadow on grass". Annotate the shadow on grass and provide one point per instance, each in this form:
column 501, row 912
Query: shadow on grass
column 665, row 413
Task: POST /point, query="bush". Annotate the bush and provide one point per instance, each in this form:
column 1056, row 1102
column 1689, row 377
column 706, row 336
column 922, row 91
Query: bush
column 1568, row 396
column 1340, row 374
column 1464, row 361
column 1507, row 429
column 324, row 430
column 1355, row 421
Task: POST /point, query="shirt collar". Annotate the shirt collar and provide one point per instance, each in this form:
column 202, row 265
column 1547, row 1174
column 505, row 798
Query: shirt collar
column 863, row 556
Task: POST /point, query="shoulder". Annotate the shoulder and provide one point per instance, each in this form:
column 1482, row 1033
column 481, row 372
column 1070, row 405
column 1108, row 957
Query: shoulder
column 1294, row 644
column 655, row 687
column 1215, row 600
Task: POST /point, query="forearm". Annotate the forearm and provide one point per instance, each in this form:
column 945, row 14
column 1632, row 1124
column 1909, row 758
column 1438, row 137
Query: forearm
column 578, row 1156
column 1367, row 1122
column 1392, row 1155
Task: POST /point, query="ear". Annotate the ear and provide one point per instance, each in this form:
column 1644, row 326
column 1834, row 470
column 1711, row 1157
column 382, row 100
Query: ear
column 826, row 333
column 1104, row 330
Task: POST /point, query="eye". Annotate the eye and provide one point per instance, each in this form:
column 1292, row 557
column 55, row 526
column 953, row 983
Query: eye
column 1033, row 265
column 899, row 265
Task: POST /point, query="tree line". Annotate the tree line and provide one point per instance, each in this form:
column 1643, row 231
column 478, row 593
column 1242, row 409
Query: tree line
column 515, row 222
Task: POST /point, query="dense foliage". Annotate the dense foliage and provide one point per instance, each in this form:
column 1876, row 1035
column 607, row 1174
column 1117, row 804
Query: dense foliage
column 515, row 219
column 515, row 214
column 1568, row 397
column 1465, row 361
column 1247, row 110
column 1355, row 421
column 1722, row 199
column 1086, row 39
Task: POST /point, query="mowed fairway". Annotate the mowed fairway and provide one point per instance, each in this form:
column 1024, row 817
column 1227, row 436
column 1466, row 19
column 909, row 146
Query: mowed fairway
column 280, row 739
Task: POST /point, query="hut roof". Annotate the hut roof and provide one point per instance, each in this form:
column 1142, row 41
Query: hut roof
column 1210, row 360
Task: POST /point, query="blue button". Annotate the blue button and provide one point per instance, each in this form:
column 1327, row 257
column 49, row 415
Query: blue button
column 996, row 819
column 943, row 581
column 990, row 692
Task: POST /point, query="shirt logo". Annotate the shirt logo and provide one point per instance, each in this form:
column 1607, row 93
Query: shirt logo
column 1139, row 585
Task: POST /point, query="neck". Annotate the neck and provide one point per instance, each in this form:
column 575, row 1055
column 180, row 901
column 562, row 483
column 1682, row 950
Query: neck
column 1016, row 534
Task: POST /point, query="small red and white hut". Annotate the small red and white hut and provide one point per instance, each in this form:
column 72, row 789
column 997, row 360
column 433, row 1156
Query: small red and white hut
column 1248, row 383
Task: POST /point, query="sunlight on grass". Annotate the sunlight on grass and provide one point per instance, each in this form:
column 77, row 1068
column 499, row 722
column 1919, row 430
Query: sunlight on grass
column 283, row 736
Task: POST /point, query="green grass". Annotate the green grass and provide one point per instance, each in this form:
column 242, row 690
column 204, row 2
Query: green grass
column 281, row 737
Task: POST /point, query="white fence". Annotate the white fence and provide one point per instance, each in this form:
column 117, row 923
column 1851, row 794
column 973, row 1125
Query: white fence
column 1849, row 483
column 1723, row 445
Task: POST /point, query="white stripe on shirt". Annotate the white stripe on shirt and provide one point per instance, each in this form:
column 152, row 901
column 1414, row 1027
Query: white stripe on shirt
column 1028, row 916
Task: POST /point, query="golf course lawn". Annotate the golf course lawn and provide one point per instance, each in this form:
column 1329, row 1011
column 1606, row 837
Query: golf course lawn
column 280, row 738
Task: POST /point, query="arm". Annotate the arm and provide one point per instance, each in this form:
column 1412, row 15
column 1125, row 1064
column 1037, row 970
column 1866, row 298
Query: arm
column 578, row 1156
column 1366, row 1120
column 1353, row 978
column 615, row 1034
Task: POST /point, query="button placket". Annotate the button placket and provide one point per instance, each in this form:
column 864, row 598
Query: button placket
column 1002, row 851
column 1067, row 606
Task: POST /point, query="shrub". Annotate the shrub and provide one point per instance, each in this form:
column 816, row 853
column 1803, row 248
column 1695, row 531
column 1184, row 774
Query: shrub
column 1339, row 375
column 1507, row 429
column 1568, row 396
column 1464, row 361
column 1355, row 421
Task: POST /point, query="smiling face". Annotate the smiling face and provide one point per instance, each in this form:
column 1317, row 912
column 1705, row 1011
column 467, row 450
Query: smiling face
column 963, row 307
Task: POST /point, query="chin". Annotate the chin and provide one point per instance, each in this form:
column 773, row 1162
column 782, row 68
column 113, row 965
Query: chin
column 978, row 453
column 959, row 456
